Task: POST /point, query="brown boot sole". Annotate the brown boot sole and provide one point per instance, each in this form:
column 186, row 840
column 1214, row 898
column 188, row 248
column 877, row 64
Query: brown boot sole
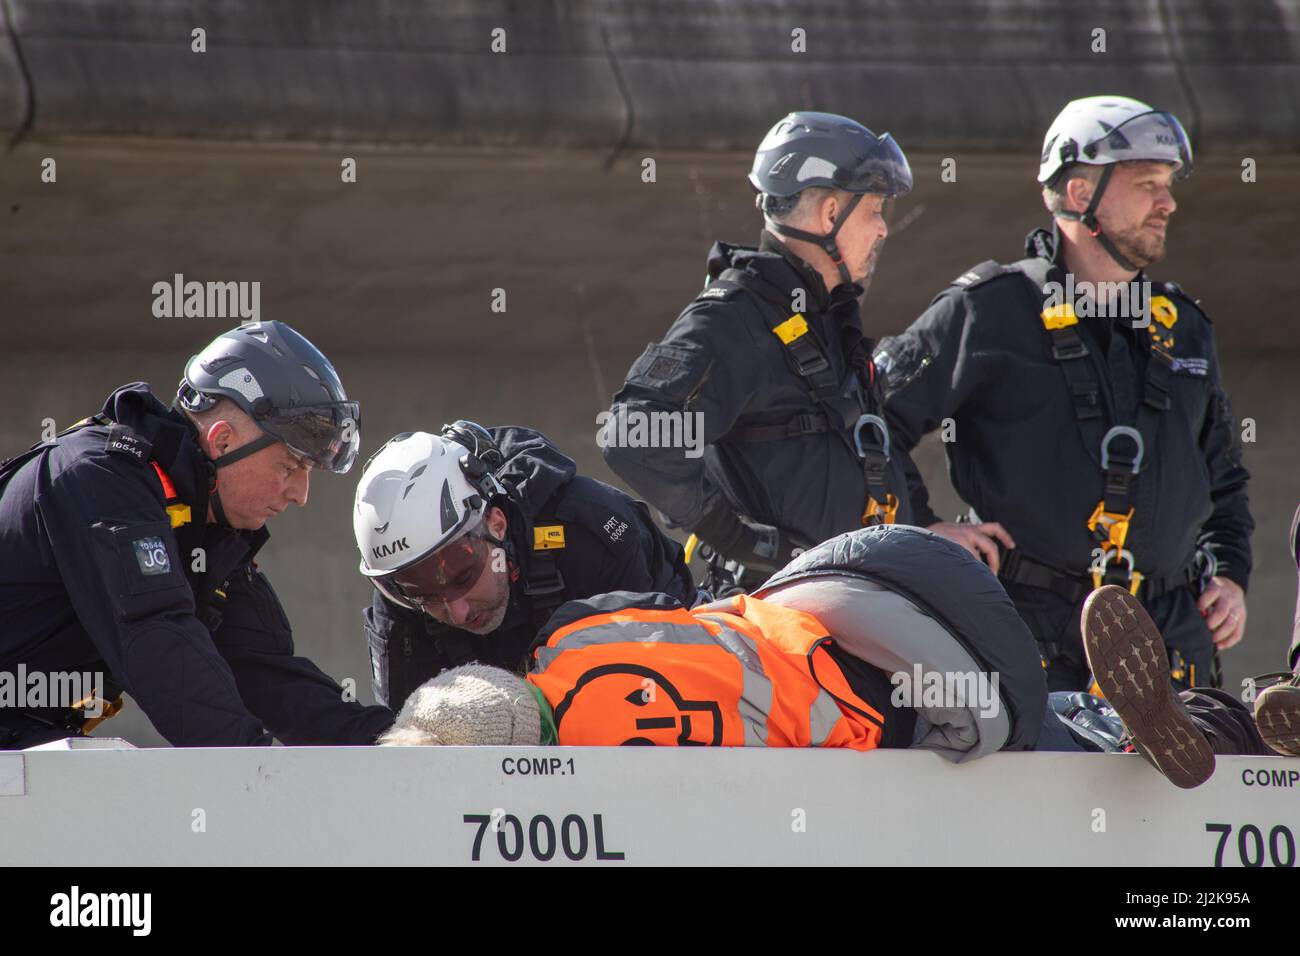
column 1277, row 714
column 1129, row 661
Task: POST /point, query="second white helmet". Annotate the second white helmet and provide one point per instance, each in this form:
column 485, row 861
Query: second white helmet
column 1101, row 130
column 417, row 494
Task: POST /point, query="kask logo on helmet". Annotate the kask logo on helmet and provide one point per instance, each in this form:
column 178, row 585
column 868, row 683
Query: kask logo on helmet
column 384, row 550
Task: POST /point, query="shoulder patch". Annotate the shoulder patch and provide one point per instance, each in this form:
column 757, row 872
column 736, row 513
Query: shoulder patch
column 601, row 512
column 718, row 290
column 122, row 441
column 989, row 269
column 614, row 528
column 151, row 555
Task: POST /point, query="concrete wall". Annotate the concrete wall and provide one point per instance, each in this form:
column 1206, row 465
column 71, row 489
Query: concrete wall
column 942, row 74
column 393, row 277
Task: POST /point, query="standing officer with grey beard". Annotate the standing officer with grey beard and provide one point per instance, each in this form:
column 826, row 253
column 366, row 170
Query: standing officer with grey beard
column 771, row 357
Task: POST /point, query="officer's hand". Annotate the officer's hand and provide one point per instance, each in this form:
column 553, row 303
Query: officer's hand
column 981, row 540
column 1223, row 605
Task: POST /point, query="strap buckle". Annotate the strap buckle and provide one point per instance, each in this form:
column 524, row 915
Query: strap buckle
column 1067, row 345
column 1104, row 570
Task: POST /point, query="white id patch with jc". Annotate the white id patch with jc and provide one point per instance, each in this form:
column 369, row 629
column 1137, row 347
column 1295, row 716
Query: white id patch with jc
column 151, row 555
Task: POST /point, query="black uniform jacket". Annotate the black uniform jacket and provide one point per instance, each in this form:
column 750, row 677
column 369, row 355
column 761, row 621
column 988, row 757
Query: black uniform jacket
column 95, row 578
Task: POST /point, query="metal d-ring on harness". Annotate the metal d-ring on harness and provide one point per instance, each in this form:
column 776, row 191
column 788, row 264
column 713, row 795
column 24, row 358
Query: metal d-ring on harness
column 1111, row 519
column 805, row 357
column 881, row 506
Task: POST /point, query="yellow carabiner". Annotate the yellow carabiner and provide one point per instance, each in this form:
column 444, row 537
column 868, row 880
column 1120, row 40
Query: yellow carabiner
column 884, row 514
column 1114, row 524
column 109, row 710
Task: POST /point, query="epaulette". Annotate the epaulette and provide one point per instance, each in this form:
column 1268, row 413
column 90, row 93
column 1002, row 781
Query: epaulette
column 985, row 271
column 719, row 290
column 1170, row 301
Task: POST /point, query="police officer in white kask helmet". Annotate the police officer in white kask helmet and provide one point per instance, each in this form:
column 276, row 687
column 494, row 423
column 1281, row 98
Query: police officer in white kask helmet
column 419, row 522
column 1100, row 446
column 474, row 536
column 1102, row 131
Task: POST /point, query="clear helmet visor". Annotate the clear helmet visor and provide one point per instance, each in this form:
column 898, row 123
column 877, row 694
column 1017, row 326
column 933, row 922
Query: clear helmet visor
column 328, row 435
column 443, row 576
column 1156, row 136
column 883, row 170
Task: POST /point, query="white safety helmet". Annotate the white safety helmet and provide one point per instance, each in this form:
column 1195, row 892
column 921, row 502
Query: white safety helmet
column 418, row 513
column 1101, row 130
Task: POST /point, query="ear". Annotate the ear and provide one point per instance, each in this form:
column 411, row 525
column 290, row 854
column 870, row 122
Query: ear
column 1078, row 190
column 830, row 211
column 496, row 522
column 220, row 436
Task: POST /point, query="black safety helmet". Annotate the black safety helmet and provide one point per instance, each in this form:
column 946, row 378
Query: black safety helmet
column 823, row 149
column 285, row 384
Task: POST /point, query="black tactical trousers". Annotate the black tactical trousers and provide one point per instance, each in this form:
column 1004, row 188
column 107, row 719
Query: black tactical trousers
column 1226, row 722
column 1055, row 623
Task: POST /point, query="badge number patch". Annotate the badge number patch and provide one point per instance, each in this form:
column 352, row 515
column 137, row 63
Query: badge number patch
column 151, row 555
column 122, row 441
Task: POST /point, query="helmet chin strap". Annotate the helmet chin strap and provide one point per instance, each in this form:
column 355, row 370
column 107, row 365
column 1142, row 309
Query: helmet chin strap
column 214, row 495
column 254, row 446
column 1090, row 222
column 827, row 242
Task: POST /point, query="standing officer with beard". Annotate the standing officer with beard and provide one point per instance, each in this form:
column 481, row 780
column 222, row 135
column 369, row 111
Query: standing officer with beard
column 1091, row 430
column 771, row 361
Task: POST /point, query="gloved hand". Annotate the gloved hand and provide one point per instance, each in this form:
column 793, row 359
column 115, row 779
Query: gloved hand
column 759, row 547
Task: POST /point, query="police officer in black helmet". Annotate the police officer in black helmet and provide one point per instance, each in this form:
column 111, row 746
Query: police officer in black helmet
column 129, row 546
column 771, row 361
column 1091, row 431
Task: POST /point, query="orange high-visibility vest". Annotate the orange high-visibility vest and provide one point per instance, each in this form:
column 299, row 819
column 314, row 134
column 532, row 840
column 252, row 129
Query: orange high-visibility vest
column 744, row 673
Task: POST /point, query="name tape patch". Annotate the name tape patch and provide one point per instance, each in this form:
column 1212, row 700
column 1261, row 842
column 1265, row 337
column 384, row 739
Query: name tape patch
column 1192, row 366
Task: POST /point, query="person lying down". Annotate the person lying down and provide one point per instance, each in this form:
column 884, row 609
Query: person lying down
column 883, row 637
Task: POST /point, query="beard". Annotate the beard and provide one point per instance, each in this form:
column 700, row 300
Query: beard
column 492, row 612
column 1137, row 244
column 867, row 269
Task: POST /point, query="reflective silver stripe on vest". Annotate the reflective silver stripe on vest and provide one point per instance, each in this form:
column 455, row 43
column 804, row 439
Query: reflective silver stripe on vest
column 755, row 702
column 824, row 712
column 625, row 632
column 823, row 715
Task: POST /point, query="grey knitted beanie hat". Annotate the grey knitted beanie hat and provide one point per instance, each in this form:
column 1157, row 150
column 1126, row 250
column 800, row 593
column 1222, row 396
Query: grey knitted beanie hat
column 470, row 705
